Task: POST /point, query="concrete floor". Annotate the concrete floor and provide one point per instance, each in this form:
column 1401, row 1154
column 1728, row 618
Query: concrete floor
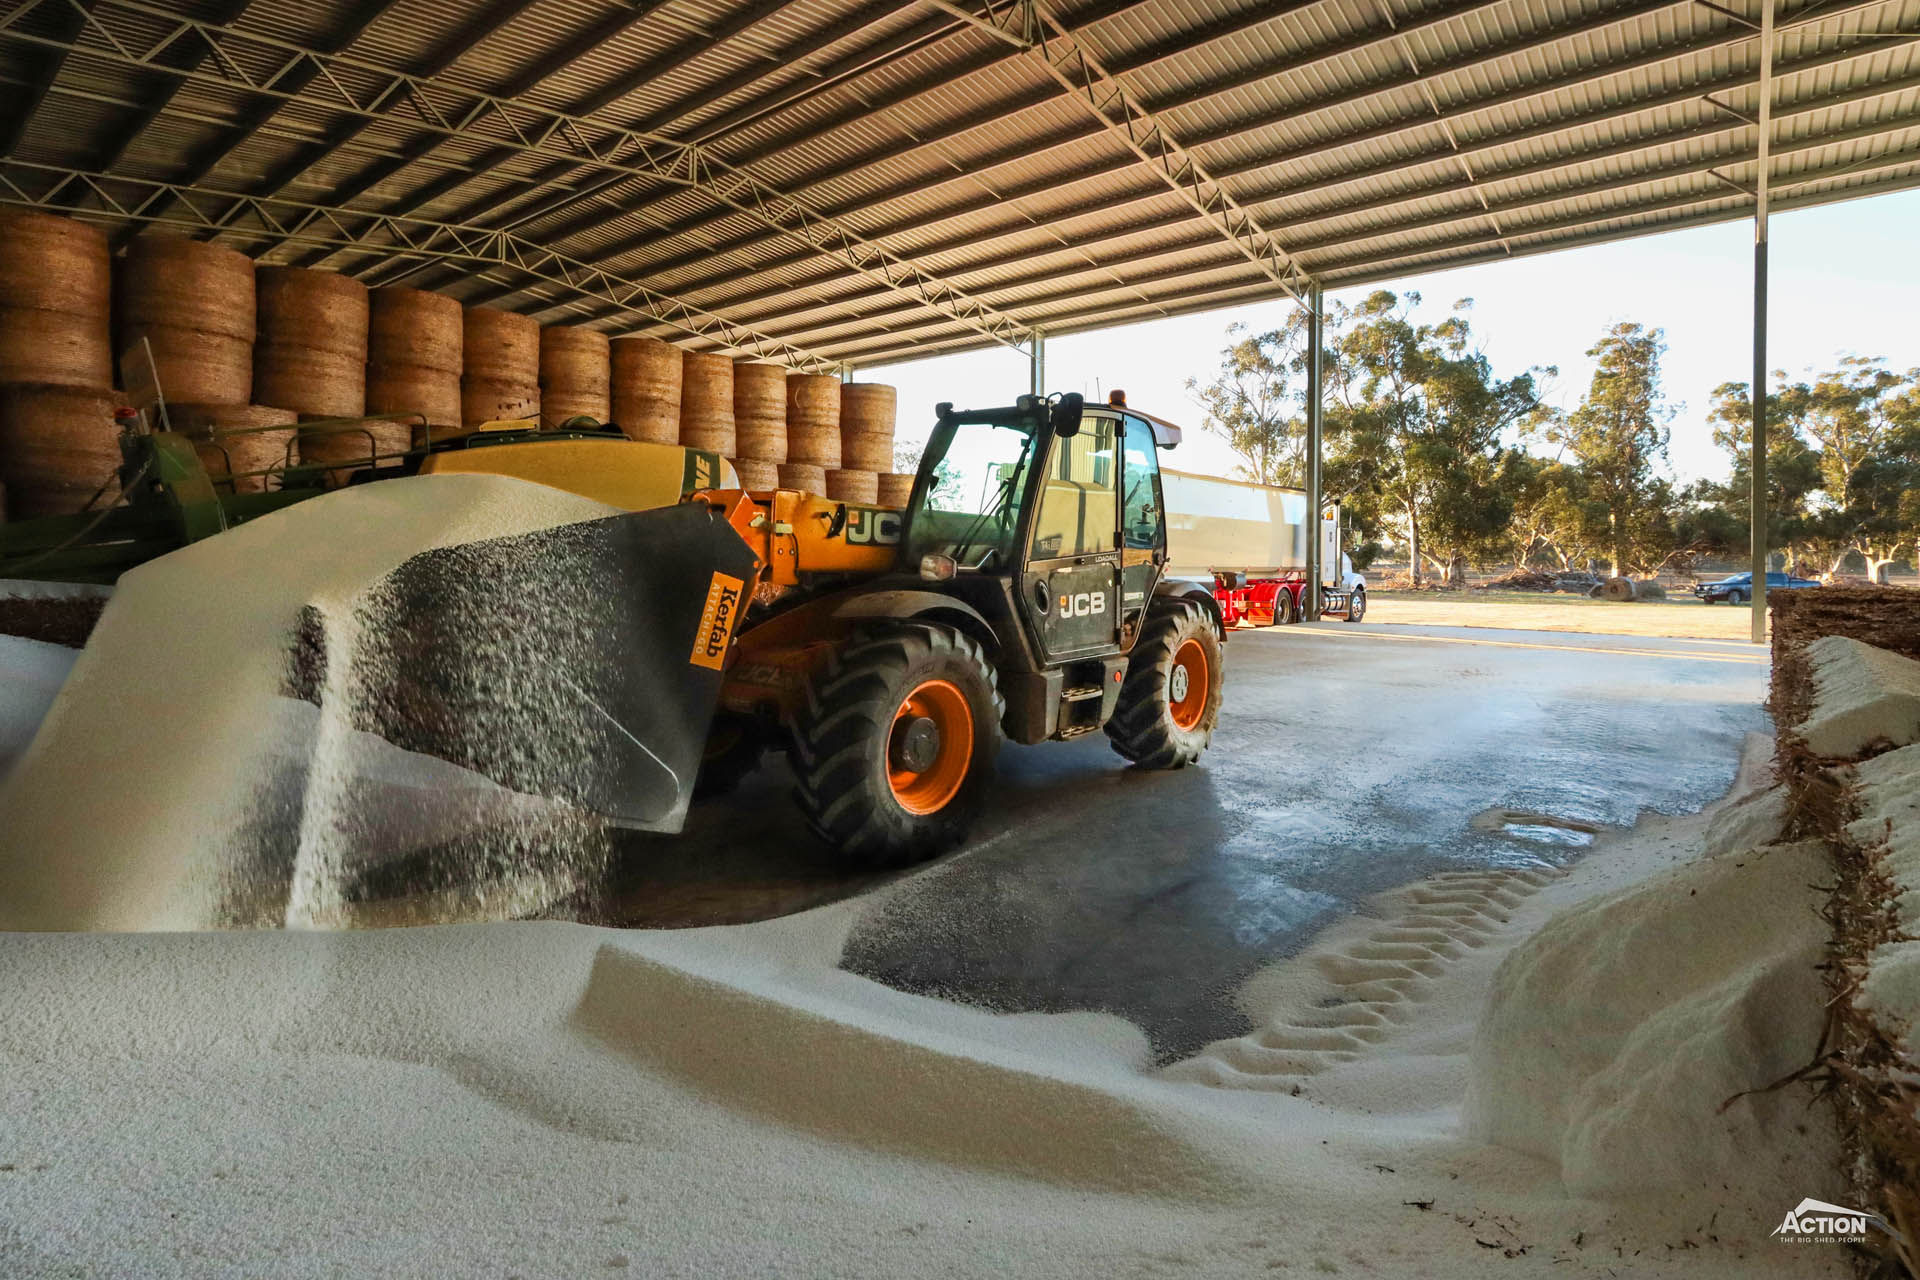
column 1349, row 760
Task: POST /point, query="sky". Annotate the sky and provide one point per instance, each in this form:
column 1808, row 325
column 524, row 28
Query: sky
column 1845, row 280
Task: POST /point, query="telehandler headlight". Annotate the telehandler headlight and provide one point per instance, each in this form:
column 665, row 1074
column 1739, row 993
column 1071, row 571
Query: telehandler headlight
column 935, row 567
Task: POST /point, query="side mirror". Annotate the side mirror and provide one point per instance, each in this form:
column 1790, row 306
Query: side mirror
column 1066, row 414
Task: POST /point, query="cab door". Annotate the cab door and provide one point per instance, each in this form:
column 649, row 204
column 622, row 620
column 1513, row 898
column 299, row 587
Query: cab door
column 1143, row 523
column 1070, row 587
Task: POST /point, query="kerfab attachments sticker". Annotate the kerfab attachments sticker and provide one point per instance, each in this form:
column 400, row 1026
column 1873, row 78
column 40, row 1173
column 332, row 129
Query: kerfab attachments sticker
column 716, row 621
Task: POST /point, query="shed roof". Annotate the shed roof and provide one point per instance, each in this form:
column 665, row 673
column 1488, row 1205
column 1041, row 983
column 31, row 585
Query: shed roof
column 857, row 181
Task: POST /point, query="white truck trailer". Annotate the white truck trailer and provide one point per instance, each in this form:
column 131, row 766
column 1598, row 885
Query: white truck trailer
column 1250, row 542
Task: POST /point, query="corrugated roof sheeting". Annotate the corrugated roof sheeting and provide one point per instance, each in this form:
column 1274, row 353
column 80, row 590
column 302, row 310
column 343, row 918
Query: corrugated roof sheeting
column 1370, row 136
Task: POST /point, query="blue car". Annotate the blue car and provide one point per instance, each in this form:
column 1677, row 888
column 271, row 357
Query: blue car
column 1738, row 589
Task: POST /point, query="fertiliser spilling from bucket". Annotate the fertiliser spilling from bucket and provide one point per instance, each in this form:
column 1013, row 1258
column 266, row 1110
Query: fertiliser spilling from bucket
column 484, row 715
column 442, row 689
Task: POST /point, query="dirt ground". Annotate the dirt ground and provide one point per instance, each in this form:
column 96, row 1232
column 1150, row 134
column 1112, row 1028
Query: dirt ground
column 1681, row 618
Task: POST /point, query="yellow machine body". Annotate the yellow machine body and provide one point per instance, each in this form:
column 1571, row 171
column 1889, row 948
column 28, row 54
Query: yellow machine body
column 631, row 474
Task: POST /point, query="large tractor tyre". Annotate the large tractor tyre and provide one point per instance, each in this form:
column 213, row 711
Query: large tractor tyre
column 894, row 751
column 735, row 744
column 1171, row 698
column 1357, row 604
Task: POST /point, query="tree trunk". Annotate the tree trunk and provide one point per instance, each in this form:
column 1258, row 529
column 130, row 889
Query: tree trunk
column 1877, row 572
column 1413, row 544
column 1457, row 571
column 1617, row 525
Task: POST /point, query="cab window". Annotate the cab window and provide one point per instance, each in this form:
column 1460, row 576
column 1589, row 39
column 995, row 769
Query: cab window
column 1141, row 525
column 1078, row 513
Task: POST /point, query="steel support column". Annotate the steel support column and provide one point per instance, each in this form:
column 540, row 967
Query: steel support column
column 1316, row 394
column 1757, row 500
column 1037, row 362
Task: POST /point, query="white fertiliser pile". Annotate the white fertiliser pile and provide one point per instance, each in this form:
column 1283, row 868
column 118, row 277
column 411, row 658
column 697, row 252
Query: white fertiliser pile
column 174, row 786
column 558, row 1100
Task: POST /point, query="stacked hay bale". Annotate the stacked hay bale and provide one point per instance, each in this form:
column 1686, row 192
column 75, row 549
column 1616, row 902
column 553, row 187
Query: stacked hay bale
column 895, row 487
column 500, row 374
column 58, row 441
column 414, row 354
column 706, row 403
column 310, row 342
column 576, row 375
column 230, row 444
column 58, row 445
column 192, row 304
column 867, row 412
column 647, row 375
column 813, row 431
column 760, row 422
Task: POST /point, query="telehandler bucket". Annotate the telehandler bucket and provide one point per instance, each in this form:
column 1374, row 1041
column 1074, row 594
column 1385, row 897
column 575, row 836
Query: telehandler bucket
column 581, row 662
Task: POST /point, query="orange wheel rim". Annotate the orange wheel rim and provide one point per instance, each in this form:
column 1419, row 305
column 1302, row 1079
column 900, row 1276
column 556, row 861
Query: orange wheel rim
column 1188, row 683
column 930, row 788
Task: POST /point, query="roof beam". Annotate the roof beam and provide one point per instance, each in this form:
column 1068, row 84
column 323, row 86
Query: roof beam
column 1326, row 209
column 608, row 28
column 1702, row 167
column 570, row 194
column 464, row 39
column 1383, row 34
column 66, row 26
column 120, row 199
column 997, row 113
column 1422, row 122
column 447, row 109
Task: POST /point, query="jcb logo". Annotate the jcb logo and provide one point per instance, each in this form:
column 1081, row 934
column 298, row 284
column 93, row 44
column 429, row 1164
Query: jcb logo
column 716, row 621
column 871, row 526
column 1084, row 605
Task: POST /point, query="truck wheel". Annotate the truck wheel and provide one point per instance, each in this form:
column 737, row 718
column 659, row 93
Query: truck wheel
column 1283, row 612
column 894, row 750
column 1171, row 698
column 1357, row 605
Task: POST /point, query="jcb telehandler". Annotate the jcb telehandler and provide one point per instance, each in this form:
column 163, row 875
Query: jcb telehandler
column 1022, row 591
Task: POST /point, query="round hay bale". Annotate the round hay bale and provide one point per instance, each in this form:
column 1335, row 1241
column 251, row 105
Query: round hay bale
column 57, row 446
column 485, row 400
column 804, row 476
column 852, row 486
column 501, row 346
column 757, row 474
column 316, row 310
column 50, row 263
column 169, row 282
column 1648, row 589
column 1617, row 589
column 895, row 488
column 646, row 389
column 56, row 283
column 576, row 374
column 706, row 403
column 322, row 384
column 434, row 394
column 813, row 419
column 54, row 347
column 760, row 410
column 867, row 411
column 228, row 449
column 413, row 327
